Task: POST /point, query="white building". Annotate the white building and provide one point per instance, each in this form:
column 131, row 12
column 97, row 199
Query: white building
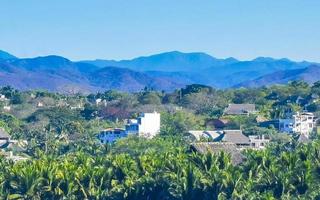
column 302, row 123
column 258, row 141
column 146, row 125
column 111, row 135
column 3, row 97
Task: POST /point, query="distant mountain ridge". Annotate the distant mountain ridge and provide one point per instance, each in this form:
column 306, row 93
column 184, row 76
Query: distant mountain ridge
column 6, row 56
column 309, row 74
column 169, row 62
column 165, row 71
column 56, row 73
column 203, row 68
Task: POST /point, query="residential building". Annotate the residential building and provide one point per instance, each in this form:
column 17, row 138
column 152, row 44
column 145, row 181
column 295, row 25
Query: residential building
column 3, row 97
column 235, row 137
column 111, row 135
column 240, row 109
column 40, row 104
column 301, row 123
column 230, row 136
column 258, row 141
column 146, row 125
column 198, row 135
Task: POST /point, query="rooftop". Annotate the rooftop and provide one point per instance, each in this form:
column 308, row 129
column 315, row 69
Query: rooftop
column 215, row 147
column 238, row 109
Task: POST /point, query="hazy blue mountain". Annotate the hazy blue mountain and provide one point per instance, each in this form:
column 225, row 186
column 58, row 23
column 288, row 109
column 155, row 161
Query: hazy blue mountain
column 129, row 80
column 309, row 74
column 203, row 68
column 169, row 62
column 57, row 73
column 6, row 56
column 166, row 71
column 235, row 73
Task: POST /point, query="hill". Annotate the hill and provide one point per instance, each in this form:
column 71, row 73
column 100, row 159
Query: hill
column 168, row 62
column 6, row 56
column 309, row 74
column 166, row 71
column 203, row 68
column 56, row 73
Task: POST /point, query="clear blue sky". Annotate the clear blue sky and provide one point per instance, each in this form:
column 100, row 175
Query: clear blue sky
column 89, row 29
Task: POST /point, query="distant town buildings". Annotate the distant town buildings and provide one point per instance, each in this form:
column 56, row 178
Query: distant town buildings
column 146, row 125
column 232, row 136
column 240, row 109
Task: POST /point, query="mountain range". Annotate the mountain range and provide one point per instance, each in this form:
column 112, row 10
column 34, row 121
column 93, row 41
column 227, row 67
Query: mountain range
column 165, row 71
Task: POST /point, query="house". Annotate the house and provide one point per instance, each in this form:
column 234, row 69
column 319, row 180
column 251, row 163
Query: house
column 216, row 148
column 111, row 135
column 240, row 109
column 301, row 123
column 204, row 134
column 3, row 97
column 234, row 136
column 146, row 125
column 39, row 104
column 4, row 138
column 258, row 141
column 230, row 136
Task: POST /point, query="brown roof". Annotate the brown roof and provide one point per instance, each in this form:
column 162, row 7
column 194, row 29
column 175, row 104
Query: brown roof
column 238, row 109
column 234, row 136
column 216, row 147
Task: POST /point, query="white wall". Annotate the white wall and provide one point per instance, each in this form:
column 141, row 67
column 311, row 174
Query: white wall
column 149, row 124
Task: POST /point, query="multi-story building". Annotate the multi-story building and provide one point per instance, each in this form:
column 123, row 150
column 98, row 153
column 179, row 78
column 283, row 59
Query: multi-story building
column 301, row 123
column 146, row 125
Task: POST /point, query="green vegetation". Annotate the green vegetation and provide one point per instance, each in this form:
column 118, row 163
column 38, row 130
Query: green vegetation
column 66, row 161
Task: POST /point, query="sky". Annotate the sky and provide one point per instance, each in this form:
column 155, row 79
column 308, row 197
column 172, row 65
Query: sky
column 123, row 29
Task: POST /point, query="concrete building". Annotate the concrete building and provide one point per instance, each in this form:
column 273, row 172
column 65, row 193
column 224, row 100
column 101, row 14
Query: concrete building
column 258, row 141
column 301, row 123
column 146, row 125
column 233, row 137
column 3, row 98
